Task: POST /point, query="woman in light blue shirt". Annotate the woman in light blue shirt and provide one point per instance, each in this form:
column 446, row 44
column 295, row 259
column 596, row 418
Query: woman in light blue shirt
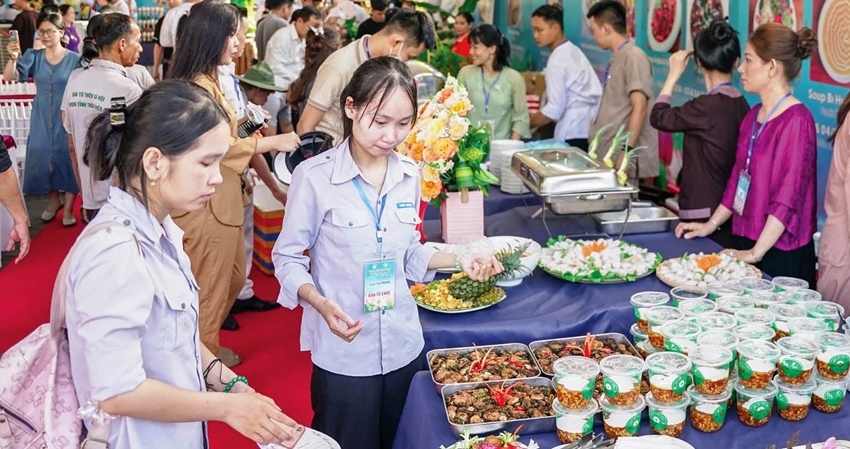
column 354, row 208
column 132, row 302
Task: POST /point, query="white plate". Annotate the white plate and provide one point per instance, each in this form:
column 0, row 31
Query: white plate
column 474, row 309
column 665, row 45
column 311, row 439
column 689, row 38
column 793, row 13
column 845, row 29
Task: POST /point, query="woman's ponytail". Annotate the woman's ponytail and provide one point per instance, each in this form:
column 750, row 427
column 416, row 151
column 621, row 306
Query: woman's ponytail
column 102, row 144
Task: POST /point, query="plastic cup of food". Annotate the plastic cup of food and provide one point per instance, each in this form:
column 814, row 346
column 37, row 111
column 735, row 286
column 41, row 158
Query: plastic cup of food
column 828, row 397
column 833, row 360
column 621, row 376
column 783, row 313
column 669, row 375
column 752, row 284
column 830, row 312
column 645, row 300
column 668, row 418
column 756, row 363
column 708, row 413
column 793, row 401
column 797, row 360
column 710, row 368
column 639, row 337
column 621, row 421
column 575, row 380
column 719, row 289
column 733, row 382
column 807, row 327
column 687, row 292
column 755, row 316
column 716, row 320
column 680, row 336
column 755, row 332
column 800, row 296
column 755, row 405
column 694, row 307
column 720, row 337
column 785, row 283
column 573, row 424
column 732, row 304
column 655, row 318
column 763, row 299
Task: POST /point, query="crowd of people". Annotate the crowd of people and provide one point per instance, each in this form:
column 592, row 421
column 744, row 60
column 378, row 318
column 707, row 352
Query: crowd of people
column 161, row 166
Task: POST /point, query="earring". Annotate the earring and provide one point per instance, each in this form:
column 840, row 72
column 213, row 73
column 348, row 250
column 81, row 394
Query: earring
column 153, row 182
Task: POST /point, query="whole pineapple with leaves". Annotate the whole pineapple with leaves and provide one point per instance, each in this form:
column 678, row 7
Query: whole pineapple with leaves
column 464, row 288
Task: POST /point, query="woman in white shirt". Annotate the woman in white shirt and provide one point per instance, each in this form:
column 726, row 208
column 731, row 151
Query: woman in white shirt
column 354, row 208
column 132, row 302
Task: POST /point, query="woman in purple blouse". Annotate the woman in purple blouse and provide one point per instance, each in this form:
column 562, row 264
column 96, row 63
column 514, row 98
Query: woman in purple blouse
column 772, row 190
column 71, row 38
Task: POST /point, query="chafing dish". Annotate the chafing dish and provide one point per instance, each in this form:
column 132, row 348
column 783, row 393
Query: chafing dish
column 641, row 220
column 571, row 182
column 482, row 349
column 529, row 425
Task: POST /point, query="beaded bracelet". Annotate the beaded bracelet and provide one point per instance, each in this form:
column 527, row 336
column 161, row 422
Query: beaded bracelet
column 233, row 382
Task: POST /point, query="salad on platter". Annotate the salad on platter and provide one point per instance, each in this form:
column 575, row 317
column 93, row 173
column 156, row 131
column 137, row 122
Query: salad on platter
column 597, row 261
column 437, row 297
column 504, row 440
column 699, row 270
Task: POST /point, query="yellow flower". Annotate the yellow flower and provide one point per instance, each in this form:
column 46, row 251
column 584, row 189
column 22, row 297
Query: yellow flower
column 442, row 150
column 461, row 107
column 430, row 173
column 436, row 126
column 430, row 189
column 458, row 128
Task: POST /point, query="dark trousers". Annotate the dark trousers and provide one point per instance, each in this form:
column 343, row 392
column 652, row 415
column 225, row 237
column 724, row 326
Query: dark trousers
column 360, row 412
column 579, row 143
column 798, row 263
column 88, row 215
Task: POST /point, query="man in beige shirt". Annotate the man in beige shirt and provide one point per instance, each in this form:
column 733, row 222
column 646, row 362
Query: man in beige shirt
column 627, row 88
column 406, row 35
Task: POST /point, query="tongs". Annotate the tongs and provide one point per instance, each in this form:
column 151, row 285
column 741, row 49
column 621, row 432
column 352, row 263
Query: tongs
column 589, row 441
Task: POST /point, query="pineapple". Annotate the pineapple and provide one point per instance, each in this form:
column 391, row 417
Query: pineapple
column 464, row 288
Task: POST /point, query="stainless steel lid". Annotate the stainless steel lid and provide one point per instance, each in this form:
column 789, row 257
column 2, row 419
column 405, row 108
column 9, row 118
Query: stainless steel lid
column 562, row 171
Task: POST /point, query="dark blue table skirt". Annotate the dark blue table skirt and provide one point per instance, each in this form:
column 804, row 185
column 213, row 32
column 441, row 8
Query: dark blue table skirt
column 544, row 307
column 496, row 202
column 424, row 426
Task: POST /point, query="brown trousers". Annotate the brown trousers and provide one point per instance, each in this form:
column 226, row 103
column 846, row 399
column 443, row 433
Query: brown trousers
column 217, row 253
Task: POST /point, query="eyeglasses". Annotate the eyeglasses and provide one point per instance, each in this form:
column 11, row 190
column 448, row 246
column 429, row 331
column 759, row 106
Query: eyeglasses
column 47, row 32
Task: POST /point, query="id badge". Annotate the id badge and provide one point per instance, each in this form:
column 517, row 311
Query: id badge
column 379, row 285
column 741, row 193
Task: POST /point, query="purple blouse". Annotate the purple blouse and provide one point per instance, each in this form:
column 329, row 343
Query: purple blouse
column 73, row 39
column 783, row 170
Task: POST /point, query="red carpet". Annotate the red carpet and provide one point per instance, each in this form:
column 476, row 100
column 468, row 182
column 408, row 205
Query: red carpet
column 267, row 341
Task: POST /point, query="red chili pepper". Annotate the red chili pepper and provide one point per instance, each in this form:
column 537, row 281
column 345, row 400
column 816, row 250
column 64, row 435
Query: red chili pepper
column 500, row 395
column 515, row 363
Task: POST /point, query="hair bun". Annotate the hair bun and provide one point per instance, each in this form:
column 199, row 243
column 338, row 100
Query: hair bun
column 806, row 42
column 721, row 32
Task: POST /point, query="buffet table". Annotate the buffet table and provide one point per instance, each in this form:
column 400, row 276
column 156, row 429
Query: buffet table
column 496, row 202
column 544, row 307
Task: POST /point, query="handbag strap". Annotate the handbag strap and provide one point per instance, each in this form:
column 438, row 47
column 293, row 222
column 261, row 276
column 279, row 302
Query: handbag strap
column 60, row 286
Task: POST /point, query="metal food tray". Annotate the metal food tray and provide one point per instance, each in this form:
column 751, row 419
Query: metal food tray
column 562, row 171
column 591, row 202
column 469, row 349
column 641, row 220
column 529, row 425
column 619, row 338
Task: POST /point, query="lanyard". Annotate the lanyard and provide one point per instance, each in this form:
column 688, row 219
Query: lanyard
column 754, row 135
column 487, row 92
column 366, row 47
column 718, row 87
column 236, row 88
column 379, row 233
column 608, row 67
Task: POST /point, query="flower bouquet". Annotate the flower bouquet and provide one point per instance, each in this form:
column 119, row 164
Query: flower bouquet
column 448, row 149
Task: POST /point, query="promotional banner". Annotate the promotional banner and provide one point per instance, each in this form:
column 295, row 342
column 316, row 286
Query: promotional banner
column 662, row 27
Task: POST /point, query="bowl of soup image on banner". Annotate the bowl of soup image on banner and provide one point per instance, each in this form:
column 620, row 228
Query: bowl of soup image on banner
column 699, row 16
column 831, row 61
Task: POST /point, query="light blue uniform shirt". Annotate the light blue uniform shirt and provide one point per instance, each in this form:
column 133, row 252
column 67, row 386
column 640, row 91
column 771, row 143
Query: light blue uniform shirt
column 326, row 215
column 132, row 317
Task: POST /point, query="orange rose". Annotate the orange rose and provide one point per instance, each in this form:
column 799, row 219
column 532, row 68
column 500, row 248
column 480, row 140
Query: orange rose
column 430, row 189
column 442, row 150
column 416, row 151
column 430, row 174
column 424, row 106
column 445, row 94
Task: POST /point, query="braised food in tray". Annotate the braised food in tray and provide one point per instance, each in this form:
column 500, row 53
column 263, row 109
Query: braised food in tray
column 482, row 364
column 594, row 347
column 495, row 403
